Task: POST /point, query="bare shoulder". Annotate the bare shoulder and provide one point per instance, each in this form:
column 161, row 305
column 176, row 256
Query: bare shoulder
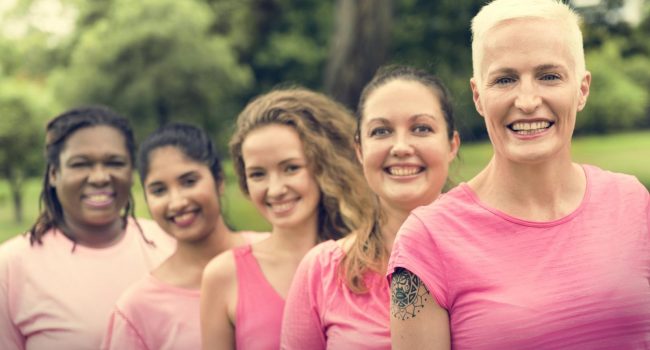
column 220, row 270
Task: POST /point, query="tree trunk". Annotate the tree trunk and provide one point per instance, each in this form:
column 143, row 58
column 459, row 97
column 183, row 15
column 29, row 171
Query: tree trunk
column 15, row 186
column 359, row 47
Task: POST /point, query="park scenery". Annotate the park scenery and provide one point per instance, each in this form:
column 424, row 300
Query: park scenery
column 200, row 61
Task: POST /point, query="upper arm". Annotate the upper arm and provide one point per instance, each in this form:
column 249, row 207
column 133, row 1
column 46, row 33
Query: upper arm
column 301, row 325
column 218, row 303
column 416, row 320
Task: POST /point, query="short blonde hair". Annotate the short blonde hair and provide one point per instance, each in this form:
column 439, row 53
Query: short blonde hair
column 499, row 11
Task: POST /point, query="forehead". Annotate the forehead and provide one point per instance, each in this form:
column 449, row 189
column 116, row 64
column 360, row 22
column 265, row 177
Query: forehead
column 271, row 144
column 169, row 162
column 526, row 42
column 95, row 141
column 401, row 97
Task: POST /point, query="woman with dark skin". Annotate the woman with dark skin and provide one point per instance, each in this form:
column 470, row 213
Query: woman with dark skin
column 59, row 282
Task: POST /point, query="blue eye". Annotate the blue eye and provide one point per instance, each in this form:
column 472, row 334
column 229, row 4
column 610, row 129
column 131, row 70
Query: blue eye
column 380, row 131
column 550, row 77
column 422, row 129
column 292, row 168
column 255, row 175
column 504, row 81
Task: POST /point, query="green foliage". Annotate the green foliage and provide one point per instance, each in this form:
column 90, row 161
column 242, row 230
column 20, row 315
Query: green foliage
column 24, row 107
column 156, row 61
column 617, row 99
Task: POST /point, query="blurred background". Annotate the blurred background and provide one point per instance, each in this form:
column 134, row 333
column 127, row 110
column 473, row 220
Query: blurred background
column 200, row 61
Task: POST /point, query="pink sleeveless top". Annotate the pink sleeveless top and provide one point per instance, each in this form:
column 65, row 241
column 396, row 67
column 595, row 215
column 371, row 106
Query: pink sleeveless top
column 259, row 307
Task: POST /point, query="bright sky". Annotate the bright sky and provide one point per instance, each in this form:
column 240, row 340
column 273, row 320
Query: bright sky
column 49, row 16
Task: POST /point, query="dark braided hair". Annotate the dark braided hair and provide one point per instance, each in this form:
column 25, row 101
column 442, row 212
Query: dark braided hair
column 58, row 131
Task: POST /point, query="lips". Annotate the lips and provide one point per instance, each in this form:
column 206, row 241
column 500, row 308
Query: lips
column 185, row 218
column 283, row 206
column 531, row 127
column 401, row 170
column 99, row 199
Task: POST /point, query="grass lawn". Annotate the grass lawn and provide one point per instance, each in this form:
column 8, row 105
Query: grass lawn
column 625, row 152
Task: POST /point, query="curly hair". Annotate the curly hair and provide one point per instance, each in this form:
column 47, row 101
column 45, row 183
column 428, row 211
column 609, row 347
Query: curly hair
column 326, row 130
column 58, row 131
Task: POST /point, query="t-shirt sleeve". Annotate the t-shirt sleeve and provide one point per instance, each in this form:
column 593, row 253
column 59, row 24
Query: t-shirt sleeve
column 415, row 250
column 301, row 326
column 10, row 336
column 122, row 334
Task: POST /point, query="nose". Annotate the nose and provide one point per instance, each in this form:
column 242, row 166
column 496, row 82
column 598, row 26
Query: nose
column 177, row 200
column 403, row 146
column 277, row 186
column 99, row 176
column 527, row 99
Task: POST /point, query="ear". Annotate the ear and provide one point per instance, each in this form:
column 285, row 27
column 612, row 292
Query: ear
column 584, row 90
column 52, row 175
column 358, row 151
column 454, row 146
column 473, row 83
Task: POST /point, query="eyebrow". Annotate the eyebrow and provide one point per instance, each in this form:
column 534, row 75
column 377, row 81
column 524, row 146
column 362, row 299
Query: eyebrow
column 411, row 118
column 283, row 162
column 540, row 68
column 182, row 176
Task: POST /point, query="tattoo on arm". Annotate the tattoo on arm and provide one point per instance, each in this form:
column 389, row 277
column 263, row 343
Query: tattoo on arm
column 407, row 294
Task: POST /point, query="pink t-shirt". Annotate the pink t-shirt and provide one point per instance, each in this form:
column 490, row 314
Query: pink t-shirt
column 259, row 306
column 323, row 313
column 154, row 315
column 52, row 297
column 579, row 282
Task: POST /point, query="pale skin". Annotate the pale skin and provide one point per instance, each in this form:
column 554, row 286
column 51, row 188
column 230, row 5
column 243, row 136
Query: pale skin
column 528, row 75
column 277, row 177
column 402, row 129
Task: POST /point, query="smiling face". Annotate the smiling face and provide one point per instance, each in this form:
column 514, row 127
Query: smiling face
column 181, row 194
column 280, row 183
column 94, row 177
column 404, row 147
column 529, row 90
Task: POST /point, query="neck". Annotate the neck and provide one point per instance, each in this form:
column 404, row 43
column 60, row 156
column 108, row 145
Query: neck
column 95, row 236
column 538, row 192
column 184, row 268
column 391, row 220
column 295, row 240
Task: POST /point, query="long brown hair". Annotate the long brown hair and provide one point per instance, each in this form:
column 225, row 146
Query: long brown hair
column 368, row 251
column 326, row 130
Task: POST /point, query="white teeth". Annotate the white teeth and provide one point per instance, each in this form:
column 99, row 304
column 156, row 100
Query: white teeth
column 183, row 217
column 528, row 128
column 280, row 207
column 99, row 197
column 403, row 171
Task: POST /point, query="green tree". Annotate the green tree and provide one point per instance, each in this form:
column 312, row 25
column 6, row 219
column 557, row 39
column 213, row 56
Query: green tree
column 156, row 61
column 24, row 108
column 617, row 99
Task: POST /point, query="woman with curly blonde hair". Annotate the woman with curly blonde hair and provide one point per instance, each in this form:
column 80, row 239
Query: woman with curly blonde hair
column 293, row 152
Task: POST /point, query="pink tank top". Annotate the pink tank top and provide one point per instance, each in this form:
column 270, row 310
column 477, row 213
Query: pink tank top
column 259, row 307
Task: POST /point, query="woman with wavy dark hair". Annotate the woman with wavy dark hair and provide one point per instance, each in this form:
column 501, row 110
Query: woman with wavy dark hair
column 59, row 282
column 405, row 141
